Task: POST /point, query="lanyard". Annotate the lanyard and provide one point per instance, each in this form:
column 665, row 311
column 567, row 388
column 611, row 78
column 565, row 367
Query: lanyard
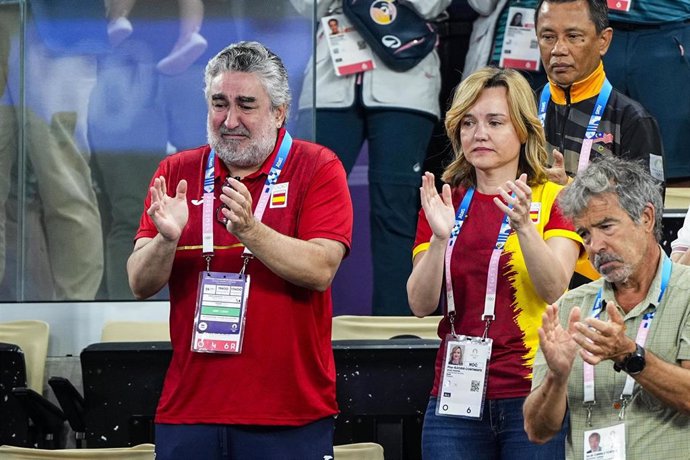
column 640, row 339
column 492, row 276
column 594, row 119
column 209, row 177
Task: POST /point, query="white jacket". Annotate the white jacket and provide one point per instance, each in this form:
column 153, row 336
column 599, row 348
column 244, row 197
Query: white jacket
column 415, row 89
column 483, row 30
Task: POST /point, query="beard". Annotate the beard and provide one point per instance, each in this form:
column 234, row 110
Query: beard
column 261, row 144
column 614, row 275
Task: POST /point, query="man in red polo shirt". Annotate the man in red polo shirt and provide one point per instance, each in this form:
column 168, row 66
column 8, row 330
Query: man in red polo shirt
column 248, row 233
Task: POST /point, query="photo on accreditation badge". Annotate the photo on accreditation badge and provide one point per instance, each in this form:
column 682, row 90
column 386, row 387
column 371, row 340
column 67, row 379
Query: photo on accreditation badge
column 605, row 444
column 334, row 26
column 455, row 355
column 517, row 20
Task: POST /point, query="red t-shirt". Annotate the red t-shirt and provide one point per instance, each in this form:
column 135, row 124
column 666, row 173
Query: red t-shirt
column 518, row 306
column 285, row 374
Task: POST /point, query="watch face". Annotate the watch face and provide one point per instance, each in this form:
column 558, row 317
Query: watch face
column 634, row 364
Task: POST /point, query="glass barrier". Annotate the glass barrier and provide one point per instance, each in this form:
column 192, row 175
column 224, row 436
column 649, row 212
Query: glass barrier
column 93, row 94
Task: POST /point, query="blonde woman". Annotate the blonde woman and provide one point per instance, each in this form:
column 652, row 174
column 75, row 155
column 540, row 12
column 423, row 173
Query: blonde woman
column 510, row 253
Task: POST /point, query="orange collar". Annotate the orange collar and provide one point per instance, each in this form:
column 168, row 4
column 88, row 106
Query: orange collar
column 580, row 90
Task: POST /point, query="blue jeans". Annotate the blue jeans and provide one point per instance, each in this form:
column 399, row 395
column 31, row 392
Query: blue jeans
column 500, row 435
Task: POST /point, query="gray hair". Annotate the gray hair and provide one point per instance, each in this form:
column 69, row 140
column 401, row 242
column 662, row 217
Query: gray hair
column 629, row 181
column 253, row 57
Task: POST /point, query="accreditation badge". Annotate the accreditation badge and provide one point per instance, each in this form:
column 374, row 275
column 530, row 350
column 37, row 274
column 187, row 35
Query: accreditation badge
column 349, row 52
column 605, row 443
column 520, row 48
column 465, row 370
column 221, row 307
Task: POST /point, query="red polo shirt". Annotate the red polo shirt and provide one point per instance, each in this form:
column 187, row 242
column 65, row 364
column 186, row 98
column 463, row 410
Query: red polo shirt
column 285, row 374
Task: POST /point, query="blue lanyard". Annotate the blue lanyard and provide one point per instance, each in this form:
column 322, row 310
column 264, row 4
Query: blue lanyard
column 461, row 216
column 272, row 178
column 597, row 112
column 209, row 173
column 492, row 273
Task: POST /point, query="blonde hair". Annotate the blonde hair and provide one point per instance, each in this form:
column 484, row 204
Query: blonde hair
column 522, row 107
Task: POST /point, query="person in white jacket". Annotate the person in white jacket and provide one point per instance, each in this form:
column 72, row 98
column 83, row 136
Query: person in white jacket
column 395, row 113
column 483, row 30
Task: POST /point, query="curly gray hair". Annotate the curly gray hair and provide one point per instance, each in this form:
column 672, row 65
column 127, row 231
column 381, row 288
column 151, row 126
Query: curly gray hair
column 629, row 181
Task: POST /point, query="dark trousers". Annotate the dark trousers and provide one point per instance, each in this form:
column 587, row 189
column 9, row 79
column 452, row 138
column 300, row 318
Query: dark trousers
column 397, row 143
column 313, row 441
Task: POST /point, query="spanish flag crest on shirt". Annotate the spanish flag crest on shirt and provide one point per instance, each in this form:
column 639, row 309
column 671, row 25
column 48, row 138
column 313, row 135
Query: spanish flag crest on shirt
column 279, row 195
column 535, row 212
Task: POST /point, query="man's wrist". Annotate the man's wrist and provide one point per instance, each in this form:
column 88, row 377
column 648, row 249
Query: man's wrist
column 630, row 348
column 557, row 380
column 250, row 233
column 168, row 240
column 633, row 363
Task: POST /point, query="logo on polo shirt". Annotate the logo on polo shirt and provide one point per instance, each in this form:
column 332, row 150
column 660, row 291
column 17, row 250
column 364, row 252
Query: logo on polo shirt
column 279, row 195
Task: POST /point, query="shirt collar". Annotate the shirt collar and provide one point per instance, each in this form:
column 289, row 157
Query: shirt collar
column 580, row 90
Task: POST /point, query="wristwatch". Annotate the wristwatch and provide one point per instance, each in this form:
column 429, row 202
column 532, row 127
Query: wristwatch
column 633, row 363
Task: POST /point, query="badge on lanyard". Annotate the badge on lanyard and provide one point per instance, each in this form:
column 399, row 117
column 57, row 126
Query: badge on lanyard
column 349, row 51
column 221, row 307
column 520, row 48
column 221, row 303
column 605, row 443
column 619, row 5
column 463, row 384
